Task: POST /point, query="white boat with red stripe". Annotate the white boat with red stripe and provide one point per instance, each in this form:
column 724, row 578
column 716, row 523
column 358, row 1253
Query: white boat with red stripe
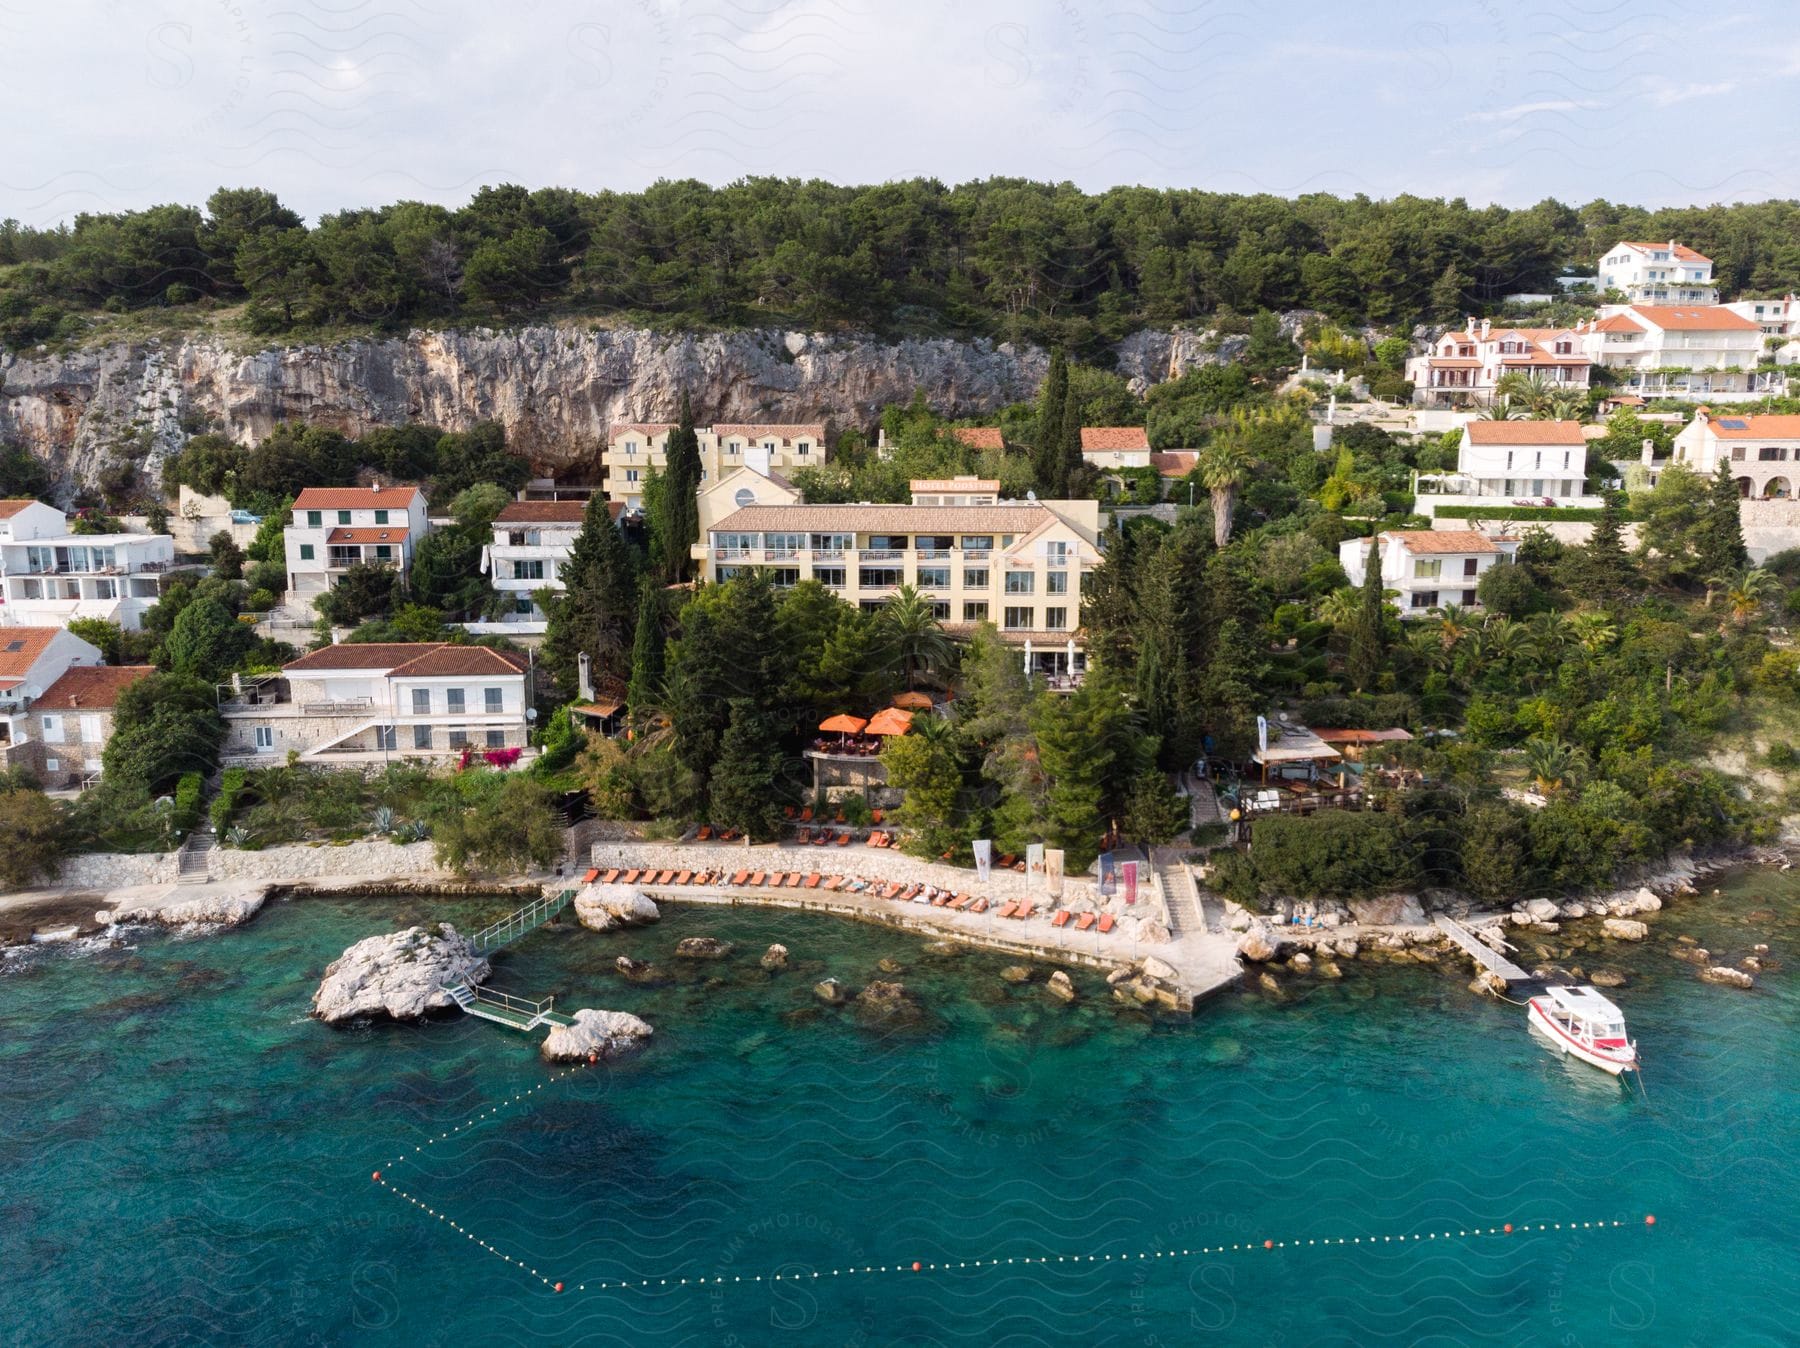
column 1580, row 1022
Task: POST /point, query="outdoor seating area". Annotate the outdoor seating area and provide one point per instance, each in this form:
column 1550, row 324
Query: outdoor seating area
column 890, row 891
column 847, row 736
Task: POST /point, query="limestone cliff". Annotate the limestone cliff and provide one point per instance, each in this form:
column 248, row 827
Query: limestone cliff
column 555, row 389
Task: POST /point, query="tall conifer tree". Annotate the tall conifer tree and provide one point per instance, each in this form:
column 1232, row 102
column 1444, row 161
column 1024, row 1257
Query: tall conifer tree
column 597, row 609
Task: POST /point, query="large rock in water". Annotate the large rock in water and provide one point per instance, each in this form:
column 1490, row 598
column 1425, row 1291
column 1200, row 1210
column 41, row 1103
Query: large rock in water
column 1730, row 978
column 701, row 948
column 1624, row 929
column 1390, row 910
column 603, row 907
column 401, row 975
column 887, row 1002
column 596, row 1034
column 1257, row 945
column 224, row 908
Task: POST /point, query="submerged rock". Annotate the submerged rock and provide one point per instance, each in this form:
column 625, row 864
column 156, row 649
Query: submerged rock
column 890, row 966
column 1606, row 978
column 887, row 1002
column 1060, row 986
column 603, row 907
column 1016, row 973
column 701, row 948
column 1269, row 984
column 1624, row 929
column 401, row 975
column 596, row 1034
column 775, row 957
column 831, row 992
column 1730, row 978
column 637, row 971
column 1300, row 962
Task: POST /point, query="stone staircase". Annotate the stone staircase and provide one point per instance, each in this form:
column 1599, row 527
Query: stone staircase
column 194, row 861
column 1203, row 802
column 1180, row 896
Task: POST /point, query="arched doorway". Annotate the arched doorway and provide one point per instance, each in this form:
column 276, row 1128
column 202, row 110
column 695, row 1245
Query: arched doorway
column 1743, row 486
column 1776, row 488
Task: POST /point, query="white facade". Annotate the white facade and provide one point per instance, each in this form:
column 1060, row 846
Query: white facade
column 1464, row 367
column 1776, row 318
column 335, row 528
column 1763, row 451
column 31, row 660
column 1429, row 569
column 1658, row 273
column 382, row 701
column 49, row 575
column 1108, row 447
column 531, row 542
column 1677, row 351
column 1512, row 463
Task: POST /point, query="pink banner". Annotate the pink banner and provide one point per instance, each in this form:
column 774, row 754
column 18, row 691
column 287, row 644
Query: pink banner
column 1129, row 870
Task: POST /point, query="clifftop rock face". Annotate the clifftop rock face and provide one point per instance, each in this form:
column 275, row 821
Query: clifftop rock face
column 557, row 390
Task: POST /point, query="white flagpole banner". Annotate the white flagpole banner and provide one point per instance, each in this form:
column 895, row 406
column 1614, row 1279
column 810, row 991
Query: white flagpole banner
column 1034, row 865
column 1053, row 872
column 984, row 858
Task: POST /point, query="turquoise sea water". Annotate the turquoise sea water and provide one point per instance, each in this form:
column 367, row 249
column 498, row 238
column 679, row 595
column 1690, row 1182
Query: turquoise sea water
column 186, row 1157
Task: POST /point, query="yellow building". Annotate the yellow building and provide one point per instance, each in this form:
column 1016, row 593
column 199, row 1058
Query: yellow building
column 1017, row 564
column 634, row 450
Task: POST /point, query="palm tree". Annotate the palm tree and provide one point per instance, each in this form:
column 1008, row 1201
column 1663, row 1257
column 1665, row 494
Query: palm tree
column 1551, row 763
column 1566, row 407
column 1339, row 607
column 1550, row 633
column 911, row 636
column 1532, row 391
column 1744, row 591
column 1594, row 631
column 1453, row 625
column 1507, row 641
column 1225, row 465
column 1501, row 409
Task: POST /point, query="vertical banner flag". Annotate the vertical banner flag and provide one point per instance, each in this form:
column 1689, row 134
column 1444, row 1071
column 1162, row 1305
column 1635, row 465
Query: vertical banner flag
column 1034, row 865
column 984, row 858
column 1109, row 875
column 1130, row 870
column 1262, row 734
column 1053, row 872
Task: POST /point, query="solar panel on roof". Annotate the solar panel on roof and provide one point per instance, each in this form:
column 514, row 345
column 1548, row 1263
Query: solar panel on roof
column 1734, row 423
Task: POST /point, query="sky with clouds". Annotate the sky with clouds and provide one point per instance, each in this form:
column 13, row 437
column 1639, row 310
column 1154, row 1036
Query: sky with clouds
column 122, row 103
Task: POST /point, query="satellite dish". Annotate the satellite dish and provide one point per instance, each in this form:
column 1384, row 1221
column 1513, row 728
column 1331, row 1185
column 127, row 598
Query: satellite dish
column 1031, row 496
column 531, row 713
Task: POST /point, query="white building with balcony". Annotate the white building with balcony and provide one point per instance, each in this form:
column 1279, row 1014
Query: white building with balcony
column 1658, row 273
column 1505, row 463
column 335, row 528
column 378, row 701
column 1464, row 367
column 531, row 542
column 1776, row 318
column 1677, row 351
column 49, row 575
column 635, row 450
column 1429, row 568
column 1763, row 451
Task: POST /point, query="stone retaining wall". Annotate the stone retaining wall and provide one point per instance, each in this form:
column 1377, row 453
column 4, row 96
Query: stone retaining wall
column 369, row 859
column 873, row 863
column 116, row 870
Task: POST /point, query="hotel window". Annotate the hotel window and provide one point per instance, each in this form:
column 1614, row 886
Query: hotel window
column 940, row 609
column 975, row 611
column 975, row 578
column 1424, row 599
column 784, row 577
column 1057, row 582
column 421, row 737
column 496, row 739
column 493, row 701
column 784, row 545
column 1056, row 553
column 1021, row 582
column 531, row 570
column 1772, row 453
column 831, row 577
column 880, row 577
column 631, row 449
column 53, row 729
column 802, row 449
column 1737, row 453
column 732, row 448
column 522, row 604
column 934, row 577
column 1056, row 618
column 384, row 552
column 386, row 737
column 1470, row 566
column 769, row 448
column 1018, row 618
column 830, row 543
column 453, row 701
column 631, row 475
column 458, row 737
column 871, row 605
column 978, row 543
column 1509, row 465
column 381, row 517
column 421, row 701
column 314, row 519
column 1428, row 570
column 265, row 739
column 343, row 517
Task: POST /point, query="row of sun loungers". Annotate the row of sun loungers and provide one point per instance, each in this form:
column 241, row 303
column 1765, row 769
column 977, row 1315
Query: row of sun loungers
column 891, row 890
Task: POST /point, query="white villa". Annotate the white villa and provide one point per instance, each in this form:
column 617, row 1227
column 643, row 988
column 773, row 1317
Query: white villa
column 1679, row 351
column 32, row 659
column 335, row 528
column 1658, row 273
column 377, row 701
column 1429, row 568
column 531, row 542
column 1105, row 447
column 634, row 449
column 1017, row 564
column 1464, row 367
column 1512, row 463
column 49, row 575
column 1763, row 451
column 1776, row 318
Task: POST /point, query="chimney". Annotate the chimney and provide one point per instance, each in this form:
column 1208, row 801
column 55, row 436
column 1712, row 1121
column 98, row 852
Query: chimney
column 1485, row 327
column 1648, row 452
column 1469, row 325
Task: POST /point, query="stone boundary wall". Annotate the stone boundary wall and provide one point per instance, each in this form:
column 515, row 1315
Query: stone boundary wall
column 369, row 859
column 873, row 863
column 116, row 870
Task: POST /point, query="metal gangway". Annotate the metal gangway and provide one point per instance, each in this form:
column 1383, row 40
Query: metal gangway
column 516, row 1013
column 1484, row 955
column 514, row 925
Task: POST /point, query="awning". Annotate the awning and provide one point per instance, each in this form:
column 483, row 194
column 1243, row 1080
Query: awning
column 890, row 721
column 597, row 708
column 1296, row 744
column 1362, row 736
column 843, row 724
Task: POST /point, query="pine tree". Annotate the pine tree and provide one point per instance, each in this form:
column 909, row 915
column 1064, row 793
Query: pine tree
column 679, row 508
column 1719, row 542
column 1602, row 569
column 1231, row 691
column 1074, row 469
column 742, row 783
column 645, row 690
column 1047, row 449
column 1369, row 630
column 597, row 609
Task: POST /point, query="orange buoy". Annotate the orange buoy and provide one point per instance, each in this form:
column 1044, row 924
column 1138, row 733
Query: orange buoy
column 377, row 1178
column 593, row 1058
column 1650, row 1219
column 915, row 1266
column 1268, row 1245
column 1507, row 1228
column 559, row 1287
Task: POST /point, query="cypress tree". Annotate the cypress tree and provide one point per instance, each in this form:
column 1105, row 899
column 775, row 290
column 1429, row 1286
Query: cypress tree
column 1074, row 467
column 1604, row 570
column 743, row 779
column 679, row 509
column 647, row 645
column 597, row 609
column 1719, row 544
column 1047, row 450
column 1368, row 633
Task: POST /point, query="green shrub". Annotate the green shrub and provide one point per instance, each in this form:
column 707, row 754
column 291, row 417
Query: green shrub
column 187, row 802
column 1781, row 754
column 231, row 784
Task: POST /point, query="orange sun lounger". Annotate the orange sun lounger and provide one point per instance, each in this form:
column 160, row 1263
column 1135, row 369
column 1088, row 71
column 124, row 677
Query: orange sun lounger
column 756, row 878
column 1106, row 922
column 740, row 877
column 1009, row 910
column 684, row 877
column 1062, row 918
column 588, row 879
column 832, row 882
column 1025, row 910
column 1083, row 922
column 629, row 878
column 812, row 880
column 610, row 876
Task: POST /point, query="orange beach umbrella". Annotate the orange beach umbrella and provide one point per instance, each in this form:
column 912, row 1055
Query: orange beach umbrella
column 890, row 721
column 843, row 724
column 915, row 701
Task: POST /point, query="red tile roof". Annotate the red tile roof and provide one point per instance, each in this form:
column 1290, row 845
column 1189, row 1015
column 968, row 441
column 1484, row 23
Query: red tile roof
column 20, row 648
column 650, row 428
column 11, row 507
column 1616, row 323
column 91, row 687
column 1525, row 433
column 773, row 431
column 1681, row 252
column 356, row 498
column 377, row 534
column 1442, row 540
column 1103, row 439
column 1695, row 318
column 1755, row 428
column 414, row 657
column 980, row 437
column 1174, row 462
